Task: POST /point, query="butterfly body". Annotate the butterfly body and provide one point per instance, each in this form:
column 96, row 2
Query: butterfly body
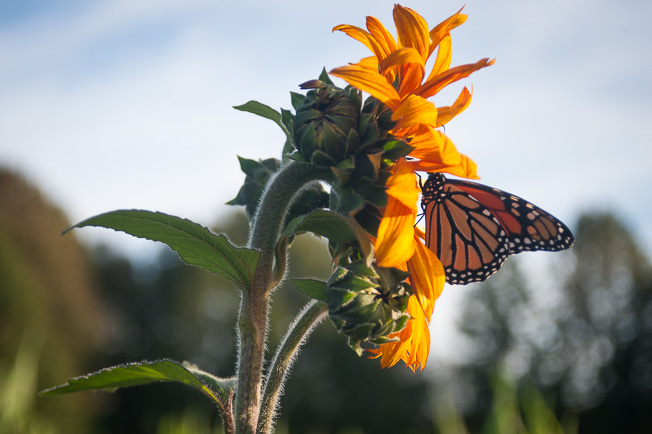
column 473, row 228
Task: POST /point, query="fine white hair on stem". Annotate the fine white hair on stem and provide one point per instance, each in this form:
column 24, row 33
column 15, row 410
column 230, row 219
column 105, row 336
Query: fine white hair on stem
column 310, row 316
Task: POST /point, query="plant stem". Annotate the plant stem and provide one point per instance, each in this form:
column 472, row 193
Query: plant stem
column 311, row 315
column 254, row 305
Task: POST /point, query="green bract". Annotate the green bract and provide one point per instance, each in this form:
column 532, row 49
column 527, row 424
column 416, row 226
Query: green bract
column 368, row 303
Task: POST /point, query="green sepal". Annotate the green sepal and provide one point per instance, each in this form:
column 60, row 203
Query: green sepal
column 311, row 287
column 296, row 156
column 323, row 76
column 195, row 244
column 297, row 99
column 345, row 165
column 136, row 374
column 395, row 149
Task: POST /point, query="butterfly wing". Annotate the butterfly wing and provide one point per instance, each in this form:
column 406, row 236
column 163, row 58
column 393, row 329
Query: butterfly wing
column 528, row 227
column 473, row 228
column 468, row 239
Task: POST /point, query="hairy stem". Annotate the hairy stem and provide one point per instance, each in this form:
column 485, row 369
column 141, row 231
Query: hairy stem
column 311, row 315
column 254, row 305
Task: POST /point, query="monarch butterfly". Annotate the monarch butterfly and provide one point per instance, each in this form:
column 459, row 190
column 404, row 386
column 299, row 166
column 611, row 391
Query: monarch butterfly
column 473, row 228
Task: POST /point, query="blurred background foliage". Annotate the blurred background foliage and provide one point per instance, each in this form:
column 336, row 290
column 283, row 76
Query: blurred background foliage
column 563, row 347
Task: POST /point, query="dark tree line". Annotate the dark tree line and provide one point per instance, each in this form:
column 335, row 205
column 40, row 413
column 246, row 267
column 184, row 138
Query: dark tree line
column 585, row 340
column 580, row 330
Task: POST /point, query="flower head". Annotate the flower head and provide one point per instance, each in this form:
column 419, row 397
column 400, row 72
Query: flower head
column 396, row 75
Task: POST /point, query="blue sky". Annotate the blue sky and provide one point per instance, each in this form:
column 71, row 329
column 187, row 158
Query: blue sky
column 128, row 104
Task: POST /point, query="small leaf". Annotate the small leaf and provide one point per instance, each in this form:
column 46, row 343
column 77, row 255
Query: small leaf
column 135, row 374
column 258, row 173
column 195, row 244
column 266, row 112
column 312, row 288
column 334, row 226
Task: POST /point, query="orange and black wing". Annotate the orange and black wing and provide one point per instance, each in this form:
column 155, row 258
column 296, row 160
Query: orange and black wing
column 469, row 241
column 528, row 227
column 473, row 228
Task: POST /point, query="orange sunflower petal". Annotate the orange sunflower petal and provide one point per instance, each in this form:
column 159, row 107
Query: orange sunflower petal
column 382, row 36
column 426, row 276
column 442, row 29
column 415, row 110
column 413, row 345
column 412, row 30
column 438, row 82
column 369, row 81
column 394, row 243
column 361, row 35
column 402, row 184
column 435, row 147
column 445, row 114
column 466, row 168
column 444, row 57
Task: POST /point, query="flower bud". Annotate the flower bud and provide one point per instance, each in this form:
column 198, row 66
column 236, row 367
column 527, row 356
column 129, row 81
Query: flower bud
column 367, row 304
column 325, row 125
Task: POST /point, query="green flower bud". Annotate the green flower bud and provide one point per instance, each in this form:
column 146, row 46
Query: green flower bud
column 367, row 304
column 325, row 125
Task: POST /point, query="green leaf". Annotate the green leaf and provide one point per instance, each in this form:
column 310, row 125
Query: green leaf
column 135, row 374
column 312, row 288
column 266, row 112
column 334, row 226
column 258, row 174
column 195, row 244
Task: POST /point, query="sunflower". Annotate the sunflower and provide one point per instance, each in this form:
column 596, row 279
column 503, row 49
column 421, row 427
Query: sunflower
column 396, row 75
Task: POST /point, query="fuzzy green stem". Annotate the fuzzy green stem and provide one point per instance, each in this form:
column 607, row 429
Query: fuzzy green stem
column 267, row 225
column 311, row 315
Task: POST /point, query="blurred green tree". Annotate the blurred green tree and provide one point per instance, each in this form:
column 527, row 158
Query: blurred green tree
column 51, row 319
column 584, row 337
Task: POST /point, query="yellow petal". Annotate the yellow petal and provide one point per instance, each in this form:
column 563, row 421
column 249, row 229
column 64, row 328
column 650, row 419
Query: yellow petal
column 419, row 343
column 400, row 57
column 426, row 276
column 466, row 168
column 445, row 114
column 437, row 83
column 408, row 63
column 435, row 147
column 415, row 110
column 402, row 184
column 394, row 244
column 413, row 345
column 444, row 57
column 370, row 63
column 369, row 81
column 412, row 30
column 361, row 35
column 384, row 39
column 442, row 29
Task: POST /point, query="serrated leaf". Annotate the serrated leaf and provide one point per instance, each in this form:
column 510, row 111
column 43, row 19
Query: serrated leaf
column 135, row 374
column 311, row 287
column 195, row 244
